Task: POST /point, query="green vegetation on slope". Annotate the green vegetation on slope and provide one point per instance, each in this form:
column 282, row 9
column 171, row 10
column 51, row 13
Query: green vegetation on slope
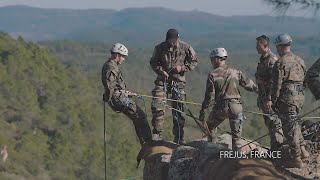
column 51, row 120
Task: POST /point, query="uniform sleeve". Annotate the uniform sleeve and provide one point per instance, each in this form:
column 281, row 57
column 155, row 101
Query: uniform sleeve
column 191, row 60
column 155, row 62
column 109, row 80
column 277, row 76
column 271, row 64
column 313, row 79
column 247, row 83
column 210, row 93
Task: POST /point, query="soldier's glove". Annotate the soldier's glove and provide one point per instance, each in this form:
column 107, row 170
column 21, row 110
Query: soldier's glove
column 164, row 74
column 130, row 94
column 202, row 115
column 177, row 69
column 127, row 93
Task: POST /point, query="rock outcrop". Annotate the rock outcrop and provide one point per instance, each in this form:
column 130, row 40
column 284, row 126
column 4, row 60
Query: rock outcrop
column 200, row 160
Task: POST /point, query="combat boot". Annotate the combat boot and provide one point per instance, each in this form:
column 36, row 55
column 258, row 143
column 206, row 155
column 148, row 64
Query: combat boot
column 156, row 135
column 180, row 141
column 178, row 136
column 294, row 163
column 304, row 152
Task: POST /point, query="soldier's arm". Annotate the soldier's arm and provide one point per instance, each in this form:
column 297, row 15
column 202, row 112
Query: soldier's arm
column 155, row 62
column 272, row 61
column 210, row 93
column 277, row 75
column 247, row 83
column 313, row 79
column 191, row 60
column 110, row 81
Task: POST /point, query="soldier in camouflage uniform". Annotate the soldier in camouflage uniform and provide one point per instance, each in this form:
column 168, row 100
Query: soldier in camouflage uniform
column 311, row 130
column 171, row 60
column 288, row 96
column 264, row 82
column 313, row 79
column 223, row 93
column 118, row 97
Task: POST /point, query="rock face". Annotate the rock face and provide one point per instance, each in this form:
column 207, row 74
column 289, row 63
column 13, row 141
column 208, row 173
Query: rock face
column 183, row 163
column 157, row 167
column 215, row 168
column 200, row 160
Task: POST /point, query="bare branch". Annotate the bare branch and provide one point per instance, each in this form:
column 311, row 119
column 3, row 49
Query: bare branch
column 282, row 6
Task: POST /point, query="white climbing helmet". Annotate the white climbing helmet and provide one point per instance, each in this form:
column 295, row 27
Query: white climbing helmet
column 220, row 52
column 119, row 48
column 283, row 39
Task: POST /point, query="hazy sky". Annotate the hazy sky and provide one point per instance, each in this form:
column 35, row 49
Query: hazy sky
column 220, row 7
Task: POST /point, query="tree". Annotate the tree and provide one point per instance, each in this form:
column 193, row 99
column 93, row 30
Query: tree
column 282, row 6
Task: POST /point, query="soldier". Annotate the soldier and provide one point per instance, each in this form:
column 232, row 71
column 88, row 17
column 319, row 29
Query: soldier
column 313, row 79
column 222, row 92
column 171, row 60
column 311, row 130
column 264, row 82
column 118, row 97
column 288, row 96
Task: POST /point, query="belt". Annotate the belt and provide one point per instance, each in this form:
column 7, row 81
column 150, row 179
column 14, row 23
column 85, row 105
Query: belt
column 292, row 89
column 227, row 101
column 223, row 103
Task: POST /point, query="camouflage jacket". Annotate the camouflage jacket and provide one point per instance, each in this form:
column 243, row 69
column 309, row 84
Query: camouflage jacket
column 263, row 74
column 165, row 58
column 313, row 79
column 223, row 83
column 112, row 79
column 312, row 133
column 288, row 76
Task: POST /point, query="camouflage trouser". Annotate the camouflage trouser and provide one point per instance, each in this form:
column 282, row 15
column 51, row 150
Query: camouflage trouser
column 273, row 124
column 232, row 109
column 158, row 111
column 275, row 130
column 291, row 128
column 135, row 113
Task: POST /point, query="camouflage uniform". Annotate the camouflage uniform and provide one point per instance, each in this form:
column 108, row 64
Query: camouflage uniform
column 288, row 96
column 165, row 58
column 311, row 131
column 223, row 90
column 264, row 82
column 313, row 79
column 119, row 101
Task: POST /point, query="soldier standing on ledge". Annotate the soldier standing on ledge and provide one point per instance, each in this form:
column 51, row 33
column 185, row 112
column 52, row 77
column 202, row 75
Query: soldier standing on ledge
column 171, row 60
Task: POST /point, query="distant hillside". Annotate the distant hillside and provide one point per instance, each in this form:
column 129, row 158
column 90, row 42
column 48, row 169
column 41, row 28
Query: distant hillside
column 50, row 94
column 51, row 120
column 139, row 24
